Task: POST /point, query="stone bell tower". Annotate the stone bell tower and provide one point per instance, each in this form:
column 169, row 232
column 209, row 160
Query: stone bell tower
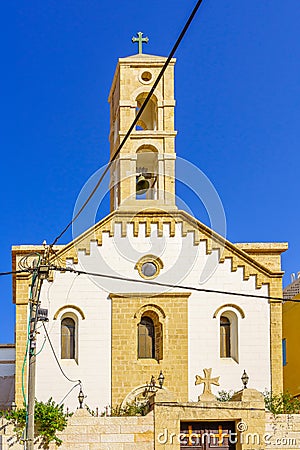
column 143, row 174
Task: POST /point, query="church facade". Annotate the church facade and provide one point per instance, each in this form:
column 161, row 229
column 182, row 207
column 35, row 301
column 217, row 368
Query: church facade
column 158, row 292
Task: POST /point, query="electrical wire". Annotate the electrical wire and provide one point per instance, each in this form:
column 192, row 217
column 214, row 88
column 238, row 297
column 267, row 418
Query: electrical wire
column 169, row 285
column 71, row 287
column 25, row 263
column 69, row 392
column 56, row 358
column 42, row 346
column 56, row 257
column 13, row 272
column 156, row 283
column 140, row 112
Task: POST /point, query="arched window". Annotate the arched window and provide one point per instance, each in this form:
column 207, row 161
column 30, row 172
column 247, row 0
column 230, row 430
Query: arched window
column 150, row 336
column 68, row 338
column 225, row 347
column 146, row 338
column 148, row 119
column 229, row 335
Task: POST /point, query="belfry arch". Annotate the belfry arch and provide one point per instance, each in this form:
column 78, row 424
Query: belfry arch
column 149, row 117
column 147, row 167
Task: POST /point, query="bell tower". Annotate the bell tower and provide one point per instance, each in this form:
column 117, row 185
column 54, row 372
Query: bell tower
column 143, row 174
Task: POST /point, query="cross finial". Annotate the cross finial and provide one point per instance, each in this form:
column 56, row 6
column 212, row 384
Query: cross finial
column 140, row 41
column 208, row 381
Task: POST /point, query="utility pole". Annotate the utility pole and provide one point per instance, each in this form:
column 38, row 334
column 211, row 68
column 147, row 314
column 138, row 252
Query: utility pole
column 40, row 273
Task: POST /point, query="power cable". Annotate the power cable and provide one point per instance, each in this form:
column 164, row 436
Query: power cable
column 58, row 363
column 140, row 112
column 157, row 283
column 42, row 346
column 13, row 272
column 69, row 392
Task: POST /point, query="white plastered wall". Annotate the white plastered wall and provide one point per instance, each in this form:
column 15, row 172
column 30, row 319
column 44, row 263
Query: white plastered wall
column 253, row 332
column 183, row 264
column 92, row 365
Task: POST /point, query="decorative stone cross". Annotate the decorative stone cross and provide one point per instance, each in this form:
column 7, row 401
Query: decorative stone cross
column 140, row 41
column 208, row 381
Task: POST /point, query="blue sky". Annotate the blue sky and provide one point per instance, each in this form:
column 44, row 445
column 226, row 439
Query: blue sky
column 237, row 115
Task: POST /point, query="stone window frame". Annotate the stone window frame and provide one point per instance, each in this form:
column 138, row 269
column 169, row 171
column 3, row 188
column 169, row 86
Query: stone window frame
column 141, row 80
column 69, row 312
column 225, row 336
column 151, row 259
column 68, row 340
column 157, row 315
column 233, row 313
column 146, row 323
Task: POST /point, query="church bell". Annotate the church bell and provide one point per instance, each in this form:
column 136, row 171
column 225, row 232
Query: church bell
column 142, row 185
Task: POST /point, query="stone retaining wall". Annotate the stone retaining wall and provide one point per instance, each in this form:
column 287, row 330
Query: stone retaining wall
column 282, row 431
column 85, row 432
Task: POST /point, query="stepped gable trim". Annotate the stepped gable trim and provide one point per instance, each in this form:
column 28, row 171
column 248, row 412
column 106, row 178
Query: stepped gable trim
column 227, row 250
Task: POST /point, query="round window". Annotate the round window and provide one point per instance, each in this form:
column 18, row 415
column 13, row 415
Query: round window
column 149, row 266
column 149, row 269
column 146, row 76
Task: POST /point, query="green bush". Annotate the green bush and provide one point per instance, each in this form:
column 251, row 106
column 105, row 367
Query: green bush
column 130, row 409
column 48, row 419
column 283, row 403
column 225, row 396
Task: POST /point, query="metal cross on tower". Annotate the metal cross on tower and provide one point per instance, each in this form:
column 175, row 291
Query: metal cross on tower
column 140, row 41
